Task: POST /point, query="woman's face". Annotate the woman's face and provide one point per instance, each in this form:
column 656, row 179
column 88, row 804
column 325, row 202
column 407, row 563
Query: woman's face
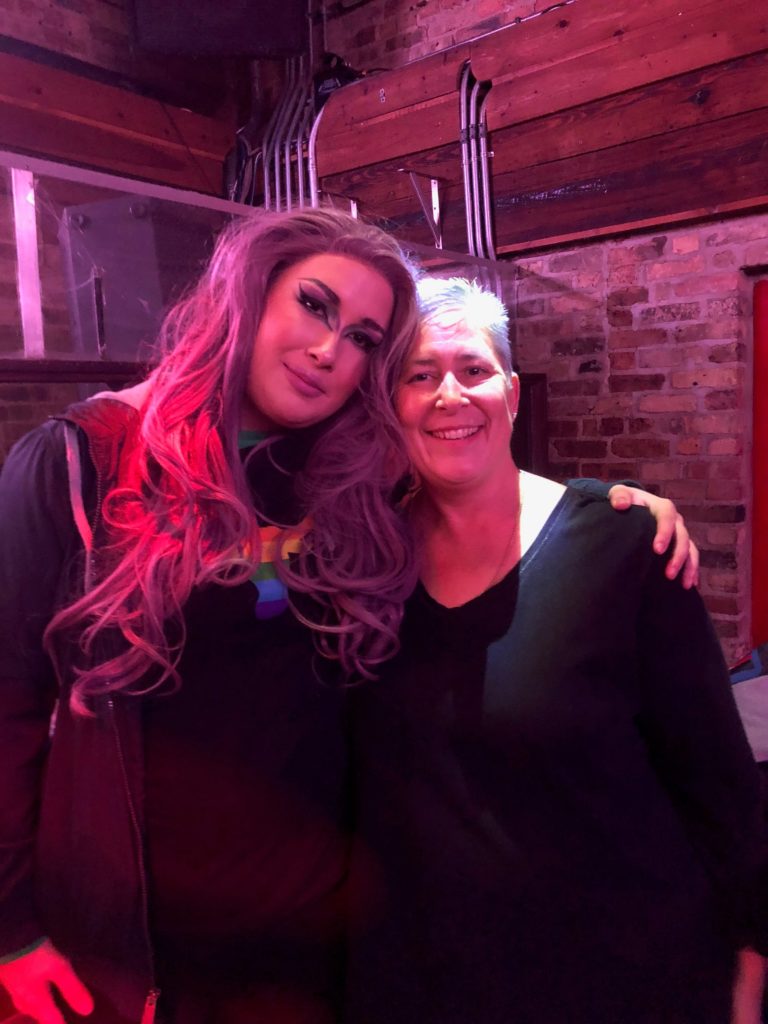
column 456, row 407
column 322, row 318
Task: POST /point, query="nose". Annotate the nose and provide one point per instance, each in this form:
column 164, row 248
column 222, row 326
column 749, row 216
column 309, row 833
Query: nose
column 323, row 349
column 450, row 394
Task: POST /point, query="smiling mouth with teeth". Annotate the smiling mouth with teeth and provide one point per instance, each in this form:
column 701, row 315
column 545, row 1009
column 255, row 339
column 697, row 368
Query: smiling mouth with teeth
column 455, row 433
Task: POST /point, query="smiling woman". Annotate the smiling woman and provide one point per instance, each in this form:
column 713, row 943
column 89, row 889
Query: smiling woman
column 559, row 816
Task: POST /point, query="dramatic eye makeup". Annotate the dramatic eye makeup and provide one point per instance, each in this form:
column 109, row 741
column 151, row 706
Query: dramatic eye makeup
column 312, row 303
column 322, row 301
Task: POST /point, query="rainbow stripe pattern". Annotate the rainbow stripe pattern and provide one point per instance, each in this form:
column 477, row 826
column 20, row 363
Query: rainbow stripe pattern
column 273, row 595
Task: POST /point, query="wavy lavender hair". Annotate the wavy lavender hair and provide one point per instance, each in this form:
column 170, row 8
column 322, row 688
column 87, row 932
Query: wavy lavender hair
column 185, row 517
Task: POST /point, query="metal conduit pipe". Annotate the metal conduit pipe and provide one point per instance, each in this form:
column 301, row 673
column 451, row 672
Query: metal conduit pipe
column 297, row 139
column 464, row 87
column 267, row 149
column 302, row 144
column 474, row 161
column 314, row 190
column 490, row 243
column 281, row 122
column 290, row 131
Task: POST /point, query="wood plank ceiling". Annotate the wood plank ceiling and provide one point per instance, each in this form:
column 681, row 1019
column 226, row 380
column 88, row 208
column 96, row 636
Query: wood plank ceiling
column 602, row 118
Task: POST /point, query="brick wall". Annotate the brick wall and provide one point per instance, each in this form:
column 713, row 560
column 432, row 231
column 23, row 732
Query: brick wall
column 646, row 342
column 389, row 33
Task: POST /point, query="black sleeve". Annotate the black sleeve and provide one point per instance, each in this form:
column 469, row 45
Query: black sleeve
column 599, row 488
column 701, row 753
column 37, row 536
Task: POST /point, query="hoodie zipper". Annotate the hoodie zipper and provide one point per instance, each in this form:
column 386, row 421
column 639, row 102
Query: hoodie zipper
column 150, row 1003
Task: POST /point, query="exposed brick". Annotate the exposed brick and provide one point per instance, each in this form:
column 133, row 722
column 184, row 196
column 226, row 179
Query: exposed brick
column 625, row 360
column 639, row 447
column 671, row 312
column 683, row 244
column 723, row 536
column 722, row 400
column 628, row 296
column 725, row 490
column 717, row 423
column 573, row 302
column 725, row 446
column 714, row 513
column 619, row 317
column 611, row 425
column 583, row 259
column 672, row 424
column 685, row 490
column 591, row 366
column 659, row 358
column 579, row 346
column 726, row 628
column 723, row 307
column 563, row 470
column 684, row 333
column 667, row 403
column 626, row 274
column 563, row 428
column 639, row 425
column 660, row 471
column 566, row 388
column 675, row 268
column 545, row 328
column 735, row 352
column 589, row 427
column 532, row 285
column 697, row 470
column 756, row 255
column 730, row 470
column 611, row 404
column 712, row 559
column 580, row 449
column 611, row 470
column 734, row 232
column 706, row 378
column 726, row 582
column 364, row 36
column 723, row 606
column 577, row 406
column 706, row 285
column 650, row 250
column 636, row 339
column 636, row 382
column 533, row 307
column 726, row 258
column 688, row 446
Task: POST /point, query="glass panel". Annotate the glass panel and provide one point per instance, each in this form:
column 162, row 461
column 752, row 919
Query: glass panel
column 11, row 338
column 112, row 263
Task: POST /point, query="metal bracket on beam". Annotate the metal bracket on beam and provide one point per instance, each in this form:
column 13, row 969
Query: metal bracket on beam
column 354, row 210
column 430, row 210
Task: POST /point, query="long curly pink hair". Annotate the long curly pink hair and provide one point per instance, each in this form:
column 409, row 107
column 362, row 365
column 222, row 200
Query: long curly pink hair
column 184, row 517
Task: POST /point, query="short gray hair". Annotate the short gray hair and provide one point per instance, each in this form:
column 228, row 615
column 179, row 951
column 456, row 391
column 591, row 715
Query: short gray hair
column 455, row 300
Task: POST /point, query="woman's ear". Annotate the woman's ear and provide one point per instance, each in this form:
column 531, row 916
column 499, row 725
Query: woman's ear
column 513, row 395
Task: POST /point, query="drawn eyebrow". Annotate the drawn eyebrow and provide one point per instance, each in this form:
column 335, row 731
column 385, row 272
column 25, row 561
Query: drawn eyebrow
column 334, row 299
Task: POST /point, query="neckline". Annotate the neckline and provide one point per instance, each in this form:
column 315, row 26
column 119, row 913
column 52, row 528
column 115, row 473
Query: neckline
column 522, row 565
column 250, row 438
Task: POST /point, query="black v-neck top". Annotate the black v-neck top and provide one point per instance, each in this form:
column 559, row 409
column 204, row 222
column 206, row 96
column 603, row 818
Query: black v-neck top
column 559, row 816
